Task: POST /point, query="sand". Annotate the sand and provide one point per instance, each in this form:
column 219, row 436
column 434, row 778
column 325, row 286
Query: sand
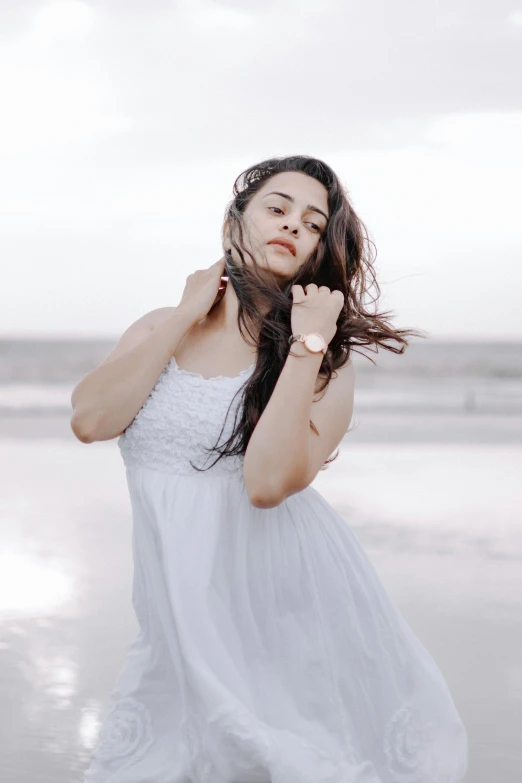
column 440, row 520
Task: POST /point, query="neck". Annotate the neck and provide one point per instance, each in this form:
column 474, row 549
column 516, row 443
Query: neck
column 223, row 316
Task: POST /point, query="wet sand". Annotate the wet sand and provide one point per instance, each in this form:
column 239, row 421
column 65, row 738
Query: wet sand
column 438, row 515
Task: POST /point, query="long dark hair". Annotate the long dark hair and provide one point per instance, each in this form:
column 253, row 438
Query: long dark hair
column 343, row 260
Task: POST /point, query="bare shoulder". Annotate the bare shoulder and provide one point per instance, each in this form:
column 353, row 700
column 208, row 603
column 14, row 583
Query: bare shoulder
column 139, row 330
column 156, row 317
column 346, row 371
column 340, row 388
column 344, row 379
column 150, row 320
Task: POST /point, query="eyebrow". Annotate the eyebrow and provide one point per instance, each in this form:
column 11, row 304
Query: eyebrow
column 292, row 199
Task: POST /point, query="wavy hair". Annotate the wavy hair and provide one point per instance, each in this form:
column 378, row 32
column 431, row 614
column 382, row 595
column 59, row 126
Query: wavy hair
column 343, row 260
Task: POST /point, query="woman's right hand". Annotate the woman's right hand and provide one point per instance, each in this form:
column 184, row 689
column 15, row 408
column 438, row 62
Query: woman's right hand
column 203, row 289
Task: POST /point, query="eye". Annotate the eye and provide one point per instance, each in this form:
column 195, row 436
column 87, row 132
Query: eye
column 317, row 228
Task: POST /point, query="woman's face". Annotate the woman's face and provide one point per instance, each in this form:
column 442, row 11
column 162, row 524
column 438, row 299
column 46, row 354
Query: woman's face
column 290, row 206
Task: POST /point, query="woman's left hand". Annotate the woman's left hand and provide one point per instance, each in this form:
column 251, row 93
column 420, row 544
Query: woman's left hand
column 317, row 310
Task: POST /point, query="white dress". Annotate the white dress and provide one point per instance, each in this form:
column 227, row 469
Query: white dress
column 268, row 650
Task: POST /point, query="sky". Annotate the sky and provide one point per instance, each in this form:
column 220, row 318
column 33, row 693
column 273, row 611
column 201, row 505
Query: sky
column 125, row 123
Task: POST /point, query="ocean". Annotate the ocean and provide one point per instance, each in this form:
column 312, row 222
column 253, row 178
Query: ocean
column 457, row 380
column 36, row 377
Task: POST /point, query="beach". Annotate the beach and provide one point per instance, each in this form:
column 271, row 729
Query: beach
column 433, row 494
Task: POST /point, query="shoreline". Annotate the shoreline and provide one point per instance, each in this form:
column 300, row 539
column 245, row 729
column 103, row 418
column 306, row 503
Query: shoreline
column 365, row 427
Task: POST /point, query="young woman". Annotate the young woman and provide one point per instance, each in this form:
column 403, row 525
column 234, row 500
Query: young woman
column 269, row 650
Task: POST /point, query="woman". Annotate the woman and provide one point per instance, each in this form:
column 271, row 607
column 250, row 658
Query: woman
column 268, row 648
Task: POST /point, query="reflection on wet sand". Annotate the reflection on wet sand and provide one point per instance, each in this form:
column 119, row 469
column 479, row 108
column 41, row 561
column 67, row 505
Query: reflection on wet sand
column 29, row 586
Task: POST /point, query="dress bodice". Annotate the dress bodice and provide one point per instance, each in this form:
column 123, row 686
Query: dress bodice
column 181, row 418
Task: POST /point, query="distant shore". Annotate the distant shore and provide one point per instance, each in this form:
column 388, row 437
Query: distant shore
column 366, row 427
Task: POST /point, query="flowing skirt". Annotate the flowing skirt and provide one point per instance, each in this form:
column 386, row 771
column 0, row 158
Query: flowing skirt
column 268, row 651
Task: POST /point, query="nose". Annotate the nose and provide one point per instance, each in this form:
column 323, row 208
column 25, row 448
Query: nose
column 291, row 223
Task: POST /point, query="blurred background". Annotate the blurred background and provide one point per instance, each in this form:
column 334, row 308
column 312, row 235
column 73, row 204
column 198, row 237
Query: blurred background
column 124, row 126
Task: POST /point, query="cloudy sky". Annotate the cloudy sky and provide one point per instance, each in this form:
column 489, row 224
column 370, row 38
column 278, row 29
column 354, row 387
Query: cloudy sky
column 125, row 123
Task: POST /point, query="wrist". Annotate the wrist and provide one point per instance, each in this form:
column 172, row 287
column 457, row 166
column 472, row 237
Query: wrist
column 314, row 342
column 299, row 350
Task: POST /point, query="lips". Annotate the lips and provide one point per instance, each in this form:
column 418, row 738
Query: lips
column 285, row 243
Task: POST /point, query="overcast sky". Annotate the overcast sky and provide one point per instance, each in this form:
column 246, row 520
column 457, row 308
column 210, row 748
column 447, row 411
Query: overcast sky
column 125, row 123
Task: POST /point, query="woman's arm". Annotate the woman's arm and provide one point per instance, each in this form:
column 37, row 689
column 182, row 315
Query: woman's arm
column 108, row 398
column 284, row 455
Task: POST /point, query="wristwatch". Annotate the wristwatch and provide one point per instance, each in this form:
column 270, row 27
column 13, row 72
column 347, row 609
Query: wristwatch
column 313, row 341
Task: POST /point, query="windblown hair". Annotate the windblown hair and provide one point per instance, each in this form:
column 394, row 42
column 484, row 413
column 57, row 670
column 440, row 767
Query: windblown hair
column 343, row 260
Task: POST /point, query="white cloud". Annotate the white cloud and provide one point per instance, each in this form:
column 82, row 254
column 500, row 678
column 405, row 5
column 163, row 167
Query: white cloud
column 213, row 15
column 53, row 97
column 123, row 131
column 515, row 18
column 58, row 20
column 43, row 109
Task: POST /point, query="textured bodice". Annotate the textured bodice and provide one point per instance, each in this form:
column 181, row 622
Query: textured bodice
column 183, row 414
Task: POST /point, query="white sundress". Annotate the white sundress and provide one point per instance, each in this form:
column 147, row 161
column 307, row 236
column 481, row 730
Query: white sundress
column 268, row 649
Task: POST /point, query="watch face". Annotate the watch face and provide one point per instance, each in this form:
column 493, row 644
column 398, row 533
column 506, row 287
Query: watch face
column 314, row 342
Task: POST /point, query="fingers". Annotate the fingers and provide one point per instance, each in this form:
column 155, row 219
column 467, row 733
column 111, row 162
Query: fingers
column 298, row 295
column 312, row 288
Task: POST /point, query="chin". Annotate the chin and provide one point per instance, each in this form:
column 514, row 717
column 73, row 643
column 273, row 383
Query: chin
column 279, row 269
